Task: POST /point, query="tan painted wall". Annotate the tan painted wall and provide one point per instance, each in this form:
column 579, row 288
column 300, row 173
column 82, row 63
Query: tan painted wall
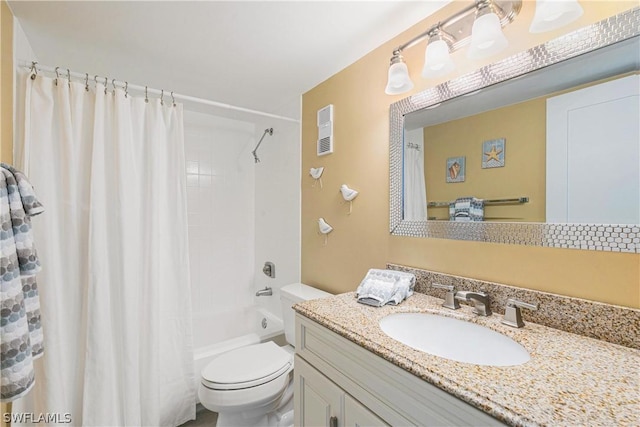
column 522, row 126
column 6, row 83
column 6, row 109
column 361, row 159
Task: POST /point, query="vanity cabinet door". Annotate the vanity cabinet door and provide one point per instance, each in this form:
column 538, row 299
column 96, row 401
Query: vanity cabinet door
column 357, row 415
column 317, row 400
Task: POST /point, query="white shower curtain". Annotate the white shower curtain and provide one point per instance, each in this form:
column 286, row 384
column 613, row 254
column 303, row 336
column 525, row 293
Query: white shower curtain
column 415, row 195
column 115, row 289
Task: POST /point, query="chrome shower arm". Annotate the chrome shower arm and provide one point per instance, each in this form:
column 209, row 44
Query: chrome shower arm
column 255, row 150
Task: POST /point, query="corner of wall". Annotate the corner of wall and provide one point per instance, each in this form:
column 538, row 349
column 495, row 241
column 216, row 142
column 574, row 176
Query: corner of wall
column 6, row 83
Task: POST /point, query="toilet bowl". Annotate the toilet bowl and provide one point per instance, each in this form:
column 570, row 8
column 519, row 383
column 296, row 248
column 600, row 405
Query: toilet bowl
column 249, row 386
column 253, row 385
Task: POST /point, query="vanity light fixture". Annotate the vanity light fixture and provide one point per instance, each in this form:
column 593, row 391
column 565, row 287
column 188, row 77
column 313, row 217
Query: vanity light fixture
column 487, row 38
column 552, row 14
column 483, row 18
column 437, row 58
column 398, row 80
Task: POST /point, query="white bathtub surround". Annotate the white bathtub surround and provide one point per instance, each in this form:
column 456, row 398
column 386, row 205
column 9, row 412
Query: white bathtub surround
column 115, row 294
column 277, row 211
column 241, row 214
column 221, row 207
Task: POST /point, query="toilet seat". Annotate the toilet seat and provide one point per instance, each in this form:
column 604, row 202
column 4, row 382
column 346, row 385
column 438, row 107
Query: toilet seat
column 247, row 367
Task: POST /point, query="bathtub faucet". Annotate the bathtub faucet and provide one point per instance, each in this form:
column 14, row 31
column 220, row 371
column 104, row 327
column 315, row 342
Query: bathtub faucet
column 267, row 291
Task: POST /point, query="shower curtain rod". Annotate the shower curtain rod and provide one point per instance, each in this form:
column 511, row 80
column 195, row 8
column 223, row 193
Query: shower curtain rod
column 63, row 72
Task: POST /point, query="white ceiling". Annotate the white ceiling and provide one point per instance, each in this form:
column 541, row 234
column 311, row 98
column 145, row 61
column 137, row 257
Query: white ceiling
column 254, row 54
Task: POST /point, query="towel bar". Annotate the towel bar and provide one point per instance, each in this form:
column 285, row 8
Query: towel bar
column 518, row 200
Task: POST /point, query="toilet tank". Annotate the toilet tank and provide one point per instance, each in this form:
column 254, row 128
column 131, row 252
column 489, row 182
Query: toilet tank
column 291, row 294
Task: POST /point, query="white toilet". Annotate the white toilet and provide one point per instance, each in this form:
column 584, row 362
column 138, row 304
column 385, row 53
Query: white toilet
column 253, row 385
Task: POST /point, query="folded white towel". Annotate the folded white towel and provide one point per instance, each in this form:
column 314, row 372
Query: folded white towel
column 380, row 287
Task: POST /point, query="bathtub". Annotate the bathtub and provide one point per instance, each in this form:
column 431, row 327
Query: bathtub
column 217, row 333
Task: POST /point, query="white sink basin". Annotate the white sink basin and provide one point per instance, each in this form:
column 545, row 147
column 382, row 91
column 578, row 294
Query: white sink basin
column 454, row 339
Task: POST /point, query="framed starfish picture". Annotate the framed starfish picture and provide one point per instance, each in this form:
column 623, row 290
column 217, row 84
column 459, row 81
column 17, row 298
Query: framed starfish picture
column 493, row 153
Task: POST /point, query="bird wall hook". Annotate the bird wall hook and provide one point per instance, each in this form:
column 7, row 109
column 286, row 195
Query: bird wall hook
column 348, row 194
column 316, row 174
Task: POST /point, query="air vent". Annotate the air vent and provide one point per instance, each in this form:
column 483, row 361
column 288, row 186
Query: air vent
column 325, row 130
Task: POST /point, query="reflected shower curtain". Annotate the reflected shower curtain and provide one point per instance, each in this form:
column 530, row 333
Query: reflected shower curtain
column 115, row 293
column 415, row 195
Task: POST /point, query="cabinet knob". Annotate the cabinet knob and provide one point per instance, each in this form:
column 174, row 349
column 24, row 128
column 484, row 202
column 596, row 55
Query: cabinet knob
column 333, row 421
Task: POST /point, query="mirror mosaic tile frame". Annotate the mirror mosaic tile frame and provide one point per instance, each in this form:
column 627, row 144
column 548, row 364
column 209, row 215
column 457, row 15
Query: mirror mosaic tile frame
column 599, row 237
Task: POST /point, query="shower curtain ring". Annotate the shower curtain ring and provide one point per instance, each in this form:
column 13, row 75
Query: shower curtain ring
column 57, row 75
column 69, row 78
column 162, row 97
column 146, row 95
column 173, row 100
column 106, row 79
column 86, row 82
column 113, row 83
column 126, row 89
column 34, row 70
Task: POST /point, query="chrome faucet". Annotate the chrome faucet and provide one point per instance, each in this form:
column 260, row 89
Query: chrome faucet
column 481, row 301
column 450, row 300
column 267, row 291
column 512, row 315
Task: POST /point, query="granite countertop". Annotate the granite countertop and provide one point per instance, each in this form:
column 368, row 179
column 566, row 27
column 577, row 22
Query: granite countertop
column 570, row 379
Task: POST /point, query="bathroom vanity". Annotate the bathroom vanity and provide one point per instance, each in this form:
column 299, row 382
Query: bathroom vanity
column 348, row 372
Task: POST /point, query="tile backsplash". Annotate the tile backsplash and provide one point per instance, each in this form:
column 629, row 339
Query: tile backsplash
column 611, row 323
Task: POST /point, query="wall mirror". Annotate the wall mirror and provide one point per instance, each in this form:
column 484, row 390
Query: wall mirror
column 520, row 144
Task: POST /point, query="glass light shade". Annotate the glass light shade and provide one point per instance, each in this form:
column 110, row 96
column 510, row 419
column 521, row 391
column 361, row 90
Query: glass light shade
column 437, row 61
column 552, row 14
column 398, row 80
column 487, row 38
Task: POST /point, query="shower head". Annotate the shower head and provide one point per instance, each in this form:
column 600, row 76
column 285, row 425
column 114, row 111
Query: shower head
column 255, row 150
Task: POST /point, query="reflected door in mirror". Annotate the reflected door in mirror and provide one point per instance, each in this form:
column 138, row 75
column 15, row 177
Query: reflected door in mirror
column 593, row 154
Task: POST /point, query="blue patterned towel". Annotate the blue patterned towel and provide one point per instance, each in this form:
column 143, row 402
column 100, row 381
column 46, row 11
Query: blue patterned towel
column 20, row 330
column 466, row 209
column 381, row 287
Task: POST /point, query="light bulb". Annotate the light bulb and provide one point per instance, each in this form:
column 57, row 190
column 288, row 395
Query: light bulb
column 398, row 80
column 437, row 60
column 487, row 38
column 552, row 14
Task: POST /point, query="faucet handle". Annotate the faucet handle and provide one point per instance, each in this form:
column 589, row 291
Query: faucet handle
column 512, row 314
column 450, row 300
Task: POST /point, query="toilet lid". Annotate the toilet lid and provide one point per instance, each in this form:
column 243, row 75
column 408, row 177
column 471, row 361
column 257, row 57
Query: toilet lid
column 246, row 367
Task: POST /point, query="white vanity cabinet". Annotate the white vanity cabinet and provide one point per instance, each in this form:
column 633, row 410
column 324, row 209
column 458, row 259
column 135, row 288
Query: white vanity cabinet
column 320, row 402
column 338, row 383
